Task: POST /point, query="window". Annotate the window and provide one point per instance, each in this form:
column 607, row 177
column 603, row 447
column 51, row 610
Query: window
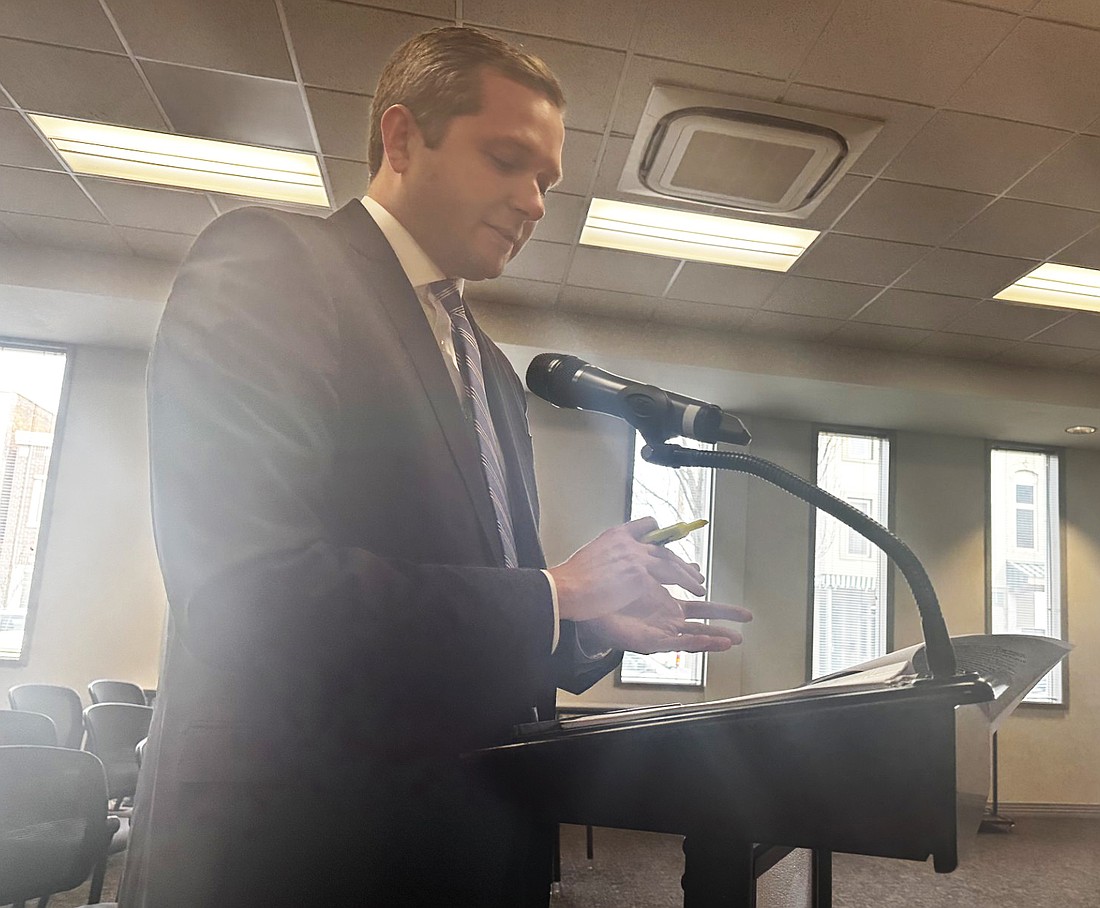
column 670, row 496
column 30, row 394
column 1025, row 557
column 850, row 591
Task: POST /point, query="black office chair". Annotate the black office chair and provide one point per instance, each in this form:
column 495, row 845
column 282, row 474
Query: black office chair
column 54, row 828
column 114, row 730
column 61, row 704
column 17, row 727
column 104, row 691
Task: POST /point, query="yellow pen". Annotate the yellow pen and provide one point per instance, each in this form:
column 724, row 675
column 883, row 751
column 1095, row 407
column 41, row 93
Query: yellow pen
column 672, row 533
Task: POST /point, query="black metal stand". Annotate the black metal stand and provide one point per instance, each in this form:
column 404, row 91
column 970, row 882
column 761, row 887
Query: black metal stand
column 993, row 821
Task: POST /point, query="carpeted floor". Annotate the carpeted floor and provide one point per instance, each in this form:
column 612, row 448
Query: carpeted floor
column 1042, row 863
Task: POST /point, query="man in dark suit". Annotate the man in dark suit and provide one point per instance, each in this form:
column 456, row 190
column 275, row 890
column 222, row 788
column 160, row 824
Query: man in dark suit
column 346, row 517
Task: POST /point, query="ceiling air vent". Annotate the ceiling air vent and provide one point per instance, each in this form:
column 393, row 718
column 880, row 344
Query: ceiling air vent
column 742, row 154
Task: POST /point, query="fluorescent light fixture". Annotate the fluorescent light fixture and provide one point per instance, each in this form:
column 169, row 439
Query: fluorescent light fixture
column 698, row 237
column 1081, row 430
column 1064, row 286
column 156, row 157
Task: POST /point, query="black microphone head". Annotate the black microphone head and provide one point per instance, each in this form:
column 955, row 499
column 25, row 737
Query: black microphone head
column 549, row 376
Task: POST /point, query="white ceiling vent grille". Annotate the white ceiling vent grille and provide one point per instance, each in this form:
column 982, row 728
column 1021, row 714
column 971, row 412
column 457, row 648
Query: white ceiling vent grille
column 742, row 154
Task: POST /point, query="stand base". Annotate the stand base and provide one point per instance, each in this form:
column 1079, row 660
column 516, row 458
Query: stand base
column 994, row 822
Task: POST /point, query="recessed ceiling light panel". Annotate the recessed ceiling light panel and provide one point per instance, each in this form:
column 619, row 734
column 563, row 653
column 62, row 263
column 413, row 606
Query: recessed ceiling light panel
column 698, row 237
column 1062, row 286
column 145, row 156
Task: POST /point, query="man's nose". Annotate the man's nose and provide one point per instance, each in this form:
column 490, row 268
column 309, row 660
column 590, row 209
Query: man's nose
column 531, row 201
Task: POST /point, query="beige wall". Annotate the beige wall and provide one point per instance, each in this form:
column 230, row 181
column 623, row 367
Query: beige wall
column 101, row 603
column 101, row 606
column 761, row 544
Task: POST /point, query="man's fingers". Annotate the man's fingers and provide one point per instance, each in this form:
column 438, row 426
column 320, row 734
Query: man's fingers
column 715, row 611
column 705, row 640
column 640, row 526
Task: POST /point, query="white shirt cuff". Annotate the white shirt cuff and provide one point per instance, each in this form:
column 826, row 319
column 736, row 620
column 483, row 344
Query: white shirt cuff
column 557, row 621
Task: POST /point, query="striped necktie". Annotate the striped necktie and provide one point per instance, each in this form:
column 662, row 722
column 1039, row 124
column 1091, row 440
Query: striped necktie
column 469, row 362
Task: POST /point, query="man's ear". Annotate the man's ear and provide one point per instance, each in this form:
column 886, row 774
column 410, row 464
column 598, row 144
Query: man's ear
column 400, row 136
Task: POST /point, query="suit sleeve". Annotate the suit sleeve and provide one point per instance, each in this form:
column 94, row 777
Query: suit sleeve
column 242, row 405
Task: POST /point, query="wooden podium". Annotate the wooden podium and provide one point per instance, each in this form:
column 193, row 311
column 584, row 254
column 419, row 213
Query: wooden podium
column 896, row 771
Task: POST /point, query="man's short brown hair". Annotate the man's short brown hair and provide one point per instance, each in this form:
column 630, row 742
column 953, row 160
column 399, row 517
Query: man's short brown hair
column 437, row 75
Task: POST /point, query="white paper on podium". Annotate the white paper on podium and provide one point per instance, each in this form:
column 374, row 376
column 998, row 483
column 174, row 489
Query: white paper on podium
column 1012, row 664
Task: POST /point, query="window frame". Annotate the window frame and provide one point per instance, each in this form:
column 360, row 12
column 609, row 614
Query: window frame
column 1063, row 605
column 42, row 543
column 628, row 500
column 890, row 437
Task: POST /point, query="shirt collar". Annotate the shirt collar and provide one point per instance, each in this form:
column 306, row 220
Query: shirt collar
column 415, row 262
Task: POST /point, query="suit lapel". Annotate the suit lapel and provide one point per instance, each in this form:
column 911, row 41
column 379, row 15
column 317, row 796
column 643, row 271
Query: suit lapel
column 384, row 281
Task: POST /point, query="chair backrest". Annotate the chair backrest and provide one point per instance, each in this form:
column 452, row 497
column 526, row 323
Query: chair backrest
column 114, row 730
column 62, row 704
column 53, row 820
column 18, row 727
column 105, row 691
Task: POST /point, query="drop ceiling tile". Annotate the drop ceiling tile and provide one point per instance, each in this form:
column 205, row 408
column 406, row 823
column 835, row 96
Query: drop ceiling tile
column 980, row 154
column 790, row 327
column 857, row 260
column 242, row 36
column 46, row 193
column 342, row 121
column 157, row 244
column 913, row 50
column 997, row 319
column 1081, row 329
column 1043, row 73
column 910, row 213
column 578, row 161
column 344, row 47
column 77, row 23
column 20, row 145
column 590, row 301
column 230, row 106
column 1085, row 253
column 1067, row 177
column 687, row 314
column 825, row 299
column 723, row 285
column 152, row 207
column 611, row 169
column 1042, row 356
column 1014, row 6
column 644, row 72
column 763, row 37
column 629, row 272
column 512, row 291
column 964, row 273
column 564, row 217
column 964, row 346
column 540, row 261
column 76, row 83
column 605, row 24
column 6, row 235
column 64, row 234
column 1077, row 12
column 877, row 337
column 912, row 309
column 440, row 9
column 1017, row 228
column 348, row 180
column 588, row 76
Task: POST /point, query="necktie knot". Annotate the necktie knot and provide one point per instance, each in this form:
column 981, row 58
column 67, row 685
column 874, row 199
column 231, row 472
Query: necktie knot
column 446, row 292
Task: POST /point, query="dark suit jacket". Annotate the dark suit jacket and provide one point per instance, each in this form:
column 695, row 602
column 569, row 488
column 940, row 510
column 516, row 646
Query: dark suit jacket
column 341, row 626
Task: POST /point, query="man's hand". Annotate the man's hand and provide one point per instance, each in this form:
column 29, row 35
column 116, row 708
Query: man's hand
column 616, row 570
column 663, row 627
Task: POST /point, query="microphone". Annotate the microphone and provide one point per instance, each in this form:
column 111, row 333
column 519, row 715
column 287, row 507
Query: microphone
column 658, row 415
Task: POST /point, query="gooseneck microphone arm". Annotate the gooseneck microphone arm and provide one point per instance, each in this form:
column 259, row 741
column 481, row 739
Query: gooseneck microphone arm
column 938, row 648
